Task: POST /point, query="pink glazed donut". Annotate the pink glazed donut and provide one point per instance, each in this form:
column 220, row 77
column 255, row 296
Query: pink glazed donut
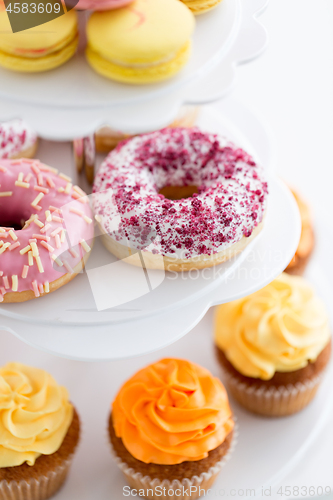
column 46, row 224
column 17, row 140
column 184, row 198
column 101, row 4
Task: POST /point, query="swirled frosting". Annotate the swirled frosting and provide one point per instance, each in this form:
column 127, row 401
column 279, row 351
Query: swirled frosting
column 277, row 329
column 172, row 411
column 35, row 414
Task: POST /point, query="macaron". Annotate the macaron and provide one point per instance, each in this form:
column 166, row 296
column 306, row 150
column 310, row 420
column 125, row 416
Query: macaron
column 144, row 42
column 101, row 4
column 40, row 48
column 201, row 6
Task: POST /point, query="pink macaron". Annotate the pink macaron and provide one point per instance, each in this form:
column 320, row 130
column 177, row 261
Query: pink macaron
column 101, row 4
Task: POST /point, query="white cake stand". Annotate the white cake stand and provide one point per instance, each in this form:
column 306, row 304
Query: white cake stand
column 147, row 311
column 73, row 101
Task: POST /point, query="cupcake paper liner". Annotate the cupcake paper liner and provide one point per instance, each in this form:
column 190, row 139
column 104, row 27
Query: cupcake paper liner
column 187, row 489
column 273, row 401
column 36, row 489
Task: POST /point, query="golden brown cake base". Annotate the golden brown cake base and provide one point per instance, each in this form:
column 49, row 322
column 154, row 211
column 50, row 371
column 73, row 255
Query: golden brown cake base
column 15, row 297
column 306, row 244
column 153, row 261
column 284, row 394
column 45, row 478
column 147, row 477
column 26, row 153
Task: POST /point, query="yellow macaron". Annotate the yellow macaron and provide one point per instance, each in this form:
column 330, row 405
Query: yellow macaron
column 40, row 48
column 201, row 6
column 144, row 42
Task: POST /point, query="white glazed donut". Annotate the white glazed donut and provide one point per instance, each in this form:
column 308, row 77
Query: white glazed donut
column 17, row 140
column 200, row 231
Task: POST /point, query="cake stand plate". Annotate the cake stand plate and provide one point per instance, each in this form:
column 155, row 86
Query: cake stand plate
column 114, row 310
column 267, row 449
column 73, row 101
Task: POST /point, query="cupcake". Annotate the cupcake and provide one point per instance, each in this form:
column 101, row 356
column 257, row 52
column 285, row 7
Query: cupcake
column 274, row 346
column 171, row 427
column 39, row 431
column 306, row 243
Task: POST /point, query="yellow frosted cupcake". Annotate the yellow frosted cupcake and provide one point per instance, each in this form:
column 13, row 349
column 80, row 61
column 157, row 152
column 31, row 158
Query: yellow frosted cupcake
column 39, row 432
column 171, row 425
column 274, row 346
column 144, row 42
column 40, row 48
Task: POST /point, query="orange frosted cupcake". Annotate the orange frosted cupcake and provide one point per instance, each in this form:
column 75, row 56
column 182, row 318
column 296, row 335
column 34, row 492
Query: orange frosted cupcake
column 39, row 431
column 274, row 346
column 171, row 426
column 307, row 240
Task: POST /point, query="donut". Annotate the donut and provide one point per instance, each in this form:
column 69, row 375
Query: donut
column 46, row 226
column 17, row 140
column 108, row 138
column 184, row 198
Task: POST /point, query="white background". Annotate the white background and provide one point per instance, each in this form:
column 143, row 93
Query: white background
column 291, row 86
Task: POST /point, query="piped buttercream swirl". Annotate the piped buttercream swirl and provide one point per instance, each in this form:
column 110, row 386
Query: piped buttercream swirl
column 172, row 411
column 277, row 329
column 35, row 414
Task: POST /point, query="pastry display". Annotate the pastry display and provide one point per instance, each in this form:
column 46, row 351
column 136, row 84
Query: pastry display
column 17, row 140
column 185, row 198
column 39, row 432
column 201, row 6
column 145, row 42
column 274, row 346
column 181, row 430
column 307, row 241
column 107, row 139
column 40, row 48
column 46, row 227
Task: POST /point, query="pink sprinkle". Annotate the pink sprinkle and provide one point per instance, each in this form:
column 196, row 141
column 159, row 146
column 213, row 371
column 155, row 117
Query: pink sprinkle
column 57, row 240
column 41, row 288
column 68, row 267
column 3, row 290
column 45, row 228
column 1, row 273
column 50, row 182
column 14, row 245
column 73, row 253
column 3, row 169
column 28, row 177
column 41, row 237
column 5, row 282
column 35, row 288
column 4, row 235
column 47, row 246
column 38, row 207
column 55, row 218
column 76, row 211
column 41, row 189
column 16, row 162
column 35, row 169
column 39, row 179
column 55, row 209
column 25, row 271
column 56, row 231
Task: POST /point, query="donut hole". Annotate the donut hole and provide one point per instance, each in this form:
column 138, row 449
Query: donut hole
column 13, row 224
column 178, row 192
